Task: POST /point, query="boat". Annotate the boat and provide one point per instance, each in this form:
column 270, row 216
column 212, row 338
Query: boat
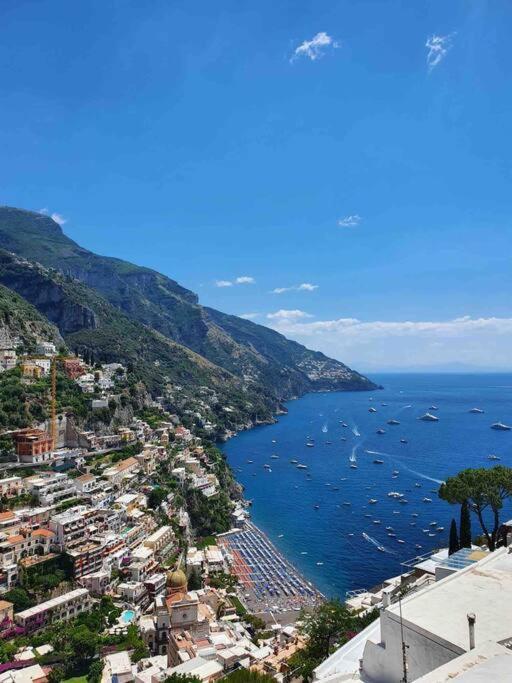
column 433, row 524
column 493, row 457
column 428, row 417
column 280, row 536
column 501, row 427
column 249, row 462
column 376, row 521
column 381, row 548
column 393, row 422
column 372, row 501
column 378, row 462
column 427, row 500
column 317, row 507
column 477, row 411
column 328, row 443
column 294, row 462
column 344, row 424
column 431, row 535
column 418, row 546
column 274, row 441
column 400, row 541
column 418, row 486
column 275, row 457
column 267, row 467
column 367, row 514
column 433, row 408
column 304, row 552
column 372, row 410
column 351, row 534
column 403, row 501
column 383, row 404
column 343, row 438
column 391, row 534
column 346, row 503
column 389, row 528
column 302, row 467
column 396, row 472
column 310, row 444
column 319, row 564
column 335, row 488
column 381, row 431
column 403, row 440
column 353, row 466
column 414, row 514
column 439, row 528
column 395, row 494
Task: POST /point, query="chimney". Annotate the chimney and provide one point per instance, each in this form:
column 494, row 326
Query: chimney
column 471, row 625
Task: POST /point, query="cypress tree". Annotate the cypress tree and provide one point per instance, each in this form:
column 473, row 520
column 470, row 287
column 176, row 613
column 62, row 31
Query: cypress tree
column 465, row 526
column 454, row 539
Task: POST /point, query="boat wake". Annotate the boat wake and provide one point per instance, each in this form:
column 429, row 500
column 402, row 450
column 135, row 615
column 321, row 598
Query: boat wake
column 325, row 428
column 352, row 457
column 378, row 545
column 355, row 431
column 405, row 467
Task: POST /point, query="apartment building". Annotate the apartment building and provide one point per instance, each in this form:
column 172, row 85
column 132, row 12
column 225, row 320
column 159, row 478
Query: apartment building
column 51, row 488
column 11, row 486
column 62, row 608
column 33, row 445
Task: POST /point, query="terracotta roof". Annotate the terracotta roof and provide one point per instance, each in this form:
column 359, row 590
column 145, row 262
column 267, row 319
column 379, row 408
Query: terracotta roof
column 85, row 477
column 43, row 532
column 126, row 463
column 4, row 516
column 4, row 604
column 15, row 539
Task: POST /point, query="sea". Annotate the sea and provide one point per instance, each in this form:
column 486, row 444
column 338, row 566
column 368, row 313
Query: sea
column 321, row 517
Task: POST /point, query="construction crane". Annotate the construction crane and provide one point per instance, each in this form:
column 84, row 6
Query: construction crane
column 53, row 404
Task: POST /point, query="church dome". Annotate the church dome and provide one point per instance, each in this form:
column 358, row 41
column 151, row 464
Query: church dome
column 176, row 579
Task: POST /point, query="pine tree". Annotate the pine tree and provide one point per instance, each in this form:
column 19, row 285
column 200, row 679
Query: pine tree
column 465, row 526
column 454, row 539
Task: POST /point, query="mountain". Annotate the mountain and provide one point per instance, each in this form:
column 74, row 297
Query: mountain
column 20, row 320
column 262, row 359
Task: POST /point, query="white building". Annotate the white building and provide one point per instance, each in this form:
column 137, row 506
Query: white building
column 51, row 488
column 62, row 608
column 46, row 349
column 434, row 626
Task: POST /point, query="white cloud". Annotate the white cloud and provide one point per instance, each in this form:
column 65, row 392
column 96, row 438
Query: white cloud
column 249, row 316
column 315, row 48
column 242, row 280
column 438, row 47
column 480, row 342
column 57, row 217
column 349, row 221
column 284, row 315
column 304, row 287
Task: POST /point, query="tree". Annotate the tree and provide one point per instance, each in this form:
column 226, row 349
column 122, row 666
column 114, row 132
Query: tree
column 156, row 497
column 181, row 678
column 194, row 579
column 19, row 597
column 465, row 526
column 454, row 538
column 95, row 671
column 483, row 490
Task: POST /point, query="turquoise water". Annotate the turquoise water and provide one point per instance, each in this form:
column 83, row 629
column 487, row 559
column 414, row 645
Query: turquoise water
column 127, row 616
column 303, row 511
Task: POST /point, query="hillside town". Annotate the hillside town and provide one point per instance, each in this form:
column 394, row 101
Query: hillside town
column 100, row 523
column 127, row 553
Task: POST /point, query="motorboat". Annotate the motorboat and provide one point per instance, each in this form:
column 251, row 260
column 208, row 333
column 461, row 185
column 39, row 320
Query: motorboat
column 476, row 411
column 403, row 440
column 499, row 426
column 428, row 417
column 393, row 422
column 372, row 501
column 381, row 431
column 372, row 410
column 378, row 462
column 493, row 457
column 302, row 467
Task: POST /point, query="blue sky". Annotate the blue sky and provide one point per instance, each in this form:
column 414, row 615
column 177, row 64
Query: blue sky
column 362, row 148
